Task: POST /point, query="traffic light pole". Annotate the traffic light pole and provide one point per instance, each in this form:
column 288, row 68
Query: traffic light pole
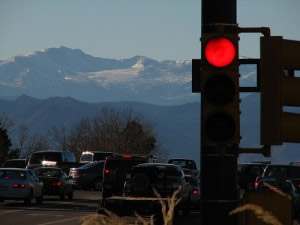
column 219, row 194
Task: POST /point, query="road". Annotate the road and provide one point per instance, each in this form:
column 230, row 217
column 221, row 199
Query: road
column 56, row 212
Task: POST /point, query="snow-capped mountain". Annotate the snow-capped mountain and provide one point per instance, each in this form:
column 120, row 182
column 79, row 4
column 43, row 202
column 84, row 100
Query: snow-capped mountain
column 70, row 72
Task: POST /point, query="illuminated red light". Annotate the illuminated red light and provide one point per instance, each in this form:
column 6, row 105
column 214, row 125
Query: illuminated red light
column 219, row 52
column 58, row 184
column 127, row 156
column 106, row 171
column 15, row 185
column 195, row 192
column 22, row 185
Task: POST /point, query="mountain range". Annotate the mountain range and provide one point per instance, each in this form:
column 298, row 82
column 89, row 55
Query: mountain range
column 66, row 72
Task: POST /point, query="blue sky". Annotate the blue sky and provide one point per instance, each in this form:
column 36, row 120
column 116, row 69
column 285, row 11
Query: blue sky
column 159, row 29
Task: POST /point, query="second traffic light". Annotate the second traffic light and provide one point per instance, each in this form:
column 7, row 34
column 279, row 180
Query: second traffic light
column 220, row 88
column 279, row 88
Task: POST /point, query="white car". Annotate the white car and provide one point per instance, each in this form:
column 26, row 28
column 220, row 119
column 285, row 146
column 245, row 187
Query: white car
column 20, row 184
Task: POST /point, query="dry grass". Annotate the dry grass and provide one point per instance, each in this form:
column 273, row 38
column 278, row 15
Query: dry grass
column 262, row 214
column 112, row 219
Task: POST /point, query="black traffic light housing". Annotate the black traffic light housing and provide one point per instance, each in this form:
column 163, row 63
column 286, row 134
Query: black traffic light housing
column 220, row 88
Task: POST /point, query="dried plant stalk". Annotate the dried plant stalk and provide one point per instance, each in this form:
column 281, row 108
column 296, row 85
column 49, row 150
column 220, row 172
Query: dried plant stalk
column 262, row 214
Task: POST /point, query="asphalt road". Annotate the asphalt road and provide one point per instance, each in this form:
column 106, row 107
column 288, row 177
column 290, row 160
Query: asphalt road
column 57, row 212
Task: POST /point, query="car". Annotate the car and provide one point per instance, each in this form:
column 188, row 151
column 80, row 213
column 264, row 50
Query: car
column 56, row 182
column 20, row 184
column 15, row 163
column 286, row 186
column 247, row 174
column 281, row 171
column 188, row 165
column 91, row 156
column 62, row 159
column 194, row 196
column 142, row 184
column 88, row 176
column 114, row 172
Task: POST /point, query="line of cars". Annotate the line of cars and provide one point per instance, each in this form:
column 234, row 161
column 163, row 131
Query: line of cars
column 262, row 177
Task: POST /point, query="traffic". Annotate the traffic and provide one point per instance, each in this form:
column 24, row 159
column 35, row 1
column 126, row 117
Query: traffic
column 129, row 184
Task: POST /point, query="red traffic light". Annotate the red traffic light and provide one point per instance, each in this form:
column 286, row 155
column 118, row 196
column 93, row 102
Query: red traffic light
column 219, row 51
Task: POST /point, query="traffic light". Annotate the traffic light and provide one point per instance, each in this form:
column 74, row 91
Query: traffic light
column 220, row 88
column 279, row 88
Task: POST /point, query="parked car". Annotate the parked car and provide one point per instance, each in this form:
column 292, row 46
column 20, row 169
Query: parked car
column 286, row 186
column 281, row 171
column 62, row 159
column 91, row 156
column 56, row 182
column 20, row 184
column 188, row 165
column 15, row 163
column 247, row 174
column 194, row 198
column 88, row 176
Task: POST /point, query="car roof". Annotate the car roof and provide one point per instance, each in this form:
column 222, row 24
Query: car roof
column 43, row 151
column 11, row 160
column 158, row 165
column 87, row 152
column 16, row 169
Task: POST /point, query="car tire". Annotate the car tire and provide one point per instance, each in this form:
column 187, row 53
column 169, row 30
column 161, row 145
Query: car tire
column 62, row 195
column 27, row 201
column 97, row 185
column 39, row 200
column 70, row 195
column 250, row 186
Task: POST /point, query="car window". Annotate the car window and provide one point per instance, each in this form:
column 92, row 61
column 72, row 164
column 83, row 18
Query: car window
column 295, row 172
column 12, row 174
column 47, row 172
column 101, row 156
column 87, row 157
column 188, row 164
column 37, row 158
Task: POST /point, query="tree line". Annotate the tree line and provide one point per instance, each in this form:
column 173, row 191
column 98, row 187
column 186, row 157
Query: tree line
column 122, row 131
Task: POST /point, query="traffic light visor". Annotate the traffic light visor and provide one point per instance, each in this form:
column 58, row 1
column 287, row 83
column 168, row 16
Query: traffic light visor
column 219, row 52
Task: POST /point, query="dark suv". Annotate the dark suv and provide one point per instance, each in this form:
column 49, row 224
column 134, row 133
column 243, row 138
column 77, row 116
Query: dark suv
column 281, row 171
column 142, row 181
column 247, row 174
column 114, row 173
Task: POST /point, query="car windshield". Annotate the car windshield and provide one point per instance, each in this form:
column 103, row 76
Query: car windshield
column 88, row 157
column 188, row 164
column 47, row 172
column 15, row 164
column 45, row 156
column 12, row 174
column 90, row 165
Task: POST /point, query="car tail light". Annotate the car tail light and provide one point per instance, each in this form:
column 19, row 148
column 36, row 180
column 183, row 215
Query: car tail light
column 58, row 184
column 195, row 192
column 19, row 185
column 127, row 156
column 107, row 171
column 256, row 182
